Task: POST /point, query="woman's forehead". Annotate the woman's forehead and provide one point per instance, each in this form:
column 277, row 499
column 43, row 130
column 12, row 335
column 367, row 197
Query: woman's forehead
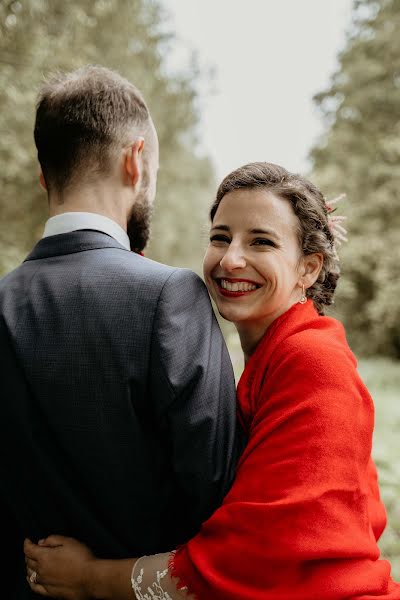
column 259, row 207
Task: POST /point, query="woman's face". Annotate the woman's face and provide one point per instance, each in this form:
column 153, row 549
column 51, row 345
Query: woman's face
column 253, row 264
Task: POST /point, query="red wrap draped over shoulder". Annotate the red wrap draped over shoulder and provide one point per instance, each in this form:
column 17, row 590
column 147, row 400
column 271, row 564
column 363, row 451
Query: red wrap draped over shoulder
column 302, row 519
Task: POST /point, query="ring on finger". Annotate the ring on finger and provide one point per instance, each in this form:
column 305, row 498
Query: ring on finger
column 33, row 577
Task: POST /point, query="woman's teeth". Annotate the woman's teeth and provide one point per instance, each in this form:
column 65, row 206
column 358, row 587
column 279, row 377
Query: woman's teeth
column 241, row 286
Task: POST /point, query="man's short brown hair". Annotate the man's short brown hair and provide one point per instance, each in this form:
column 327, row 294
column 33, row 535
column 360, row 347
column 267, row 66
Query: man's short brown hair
column 81, row 118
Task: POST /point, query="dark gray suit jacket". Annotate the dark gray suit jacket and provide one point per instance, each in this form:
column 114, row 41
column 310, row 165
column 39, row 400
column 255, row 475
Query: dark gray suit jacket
column 117, row 402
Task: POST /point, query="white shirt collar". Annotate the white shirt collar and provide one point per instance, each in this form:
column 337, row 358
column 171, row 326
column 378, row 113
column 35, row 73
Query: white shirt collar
column 72, row 221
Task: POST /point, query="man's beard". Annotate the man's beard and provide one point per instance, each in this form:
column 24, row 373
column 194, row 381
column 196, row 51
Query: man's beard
column 138, row 228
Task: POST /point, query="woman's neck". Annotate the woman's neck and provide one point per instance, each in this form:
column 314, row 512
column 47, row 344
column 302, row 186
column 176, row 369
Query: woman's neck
column 250, row 336
column 251, row 333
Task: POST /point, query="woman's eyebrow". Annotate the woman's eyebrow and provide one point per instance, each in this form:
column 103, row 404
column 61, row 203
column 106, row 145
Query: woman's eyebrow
column 223, row 227
column 266, row 232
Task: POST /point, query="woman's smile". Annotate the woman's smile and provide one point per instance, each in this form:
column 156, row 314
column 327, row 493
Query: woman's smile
column 235, row 288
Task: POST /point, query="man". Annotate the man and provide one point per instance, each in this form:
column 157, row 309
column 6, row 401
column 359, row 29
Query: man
column 118, row 398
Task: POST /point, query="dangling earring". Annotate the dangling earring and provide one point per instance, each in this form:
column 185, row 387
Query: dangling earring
column 303, row 298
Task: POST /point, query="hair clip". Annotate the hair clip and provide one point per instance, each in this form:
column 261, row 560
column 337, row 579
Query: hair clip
column 334, row 221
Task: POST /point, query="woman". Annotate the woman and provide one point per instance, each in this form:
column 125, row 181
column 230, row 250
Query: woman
column 304, row 514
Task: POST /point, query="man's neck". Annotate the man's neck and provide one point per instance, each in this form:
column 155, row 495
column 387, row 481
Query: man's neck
column 99, row 201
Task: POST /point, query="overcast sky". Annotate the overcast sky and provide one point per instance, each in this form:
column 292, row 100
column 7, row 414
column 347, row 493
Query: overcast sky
column 271, row 57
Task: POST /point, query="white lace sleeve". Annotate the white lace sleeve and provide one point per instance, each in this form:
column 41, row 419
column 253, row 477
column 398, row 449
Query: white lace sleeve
column 151, row 579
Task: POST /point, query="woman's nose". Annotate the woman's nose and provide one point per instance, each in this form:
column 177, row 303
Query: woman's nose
column 233, row 258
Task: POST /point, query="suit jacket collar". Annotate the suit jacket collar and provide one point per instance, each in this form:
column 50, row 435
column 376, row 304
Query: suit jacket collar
column 75, row 241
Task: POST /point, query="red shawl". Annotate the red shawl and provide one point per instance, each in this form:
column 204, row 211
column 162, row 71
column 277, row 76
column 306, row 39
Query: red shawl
column 303, row 516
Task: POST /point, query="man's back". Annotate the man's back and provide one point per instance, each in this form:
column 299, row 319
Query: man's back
column 118, row 412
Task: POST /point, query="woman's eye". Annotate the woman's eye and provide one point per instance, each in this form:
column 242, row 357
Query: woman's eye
column 263, row 242
column 219, row 239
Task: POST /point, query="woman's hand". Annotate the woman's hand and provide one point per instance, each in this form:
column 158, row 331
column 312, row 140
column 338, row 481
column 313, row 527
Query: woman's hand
column 59, row 567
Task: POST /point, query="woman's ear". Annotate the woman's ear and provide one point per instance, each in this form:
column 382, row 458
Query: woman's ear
column 311, row 268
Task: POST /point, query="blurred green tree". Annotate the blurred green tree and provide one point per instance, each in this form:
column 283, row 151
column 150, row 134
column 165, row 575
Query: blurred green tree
column 359, row 153
column 130, row 36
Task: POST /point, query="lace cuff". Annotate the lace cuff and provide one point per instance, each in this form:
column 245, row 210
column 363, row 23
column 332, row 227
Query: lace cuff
column 151, row 579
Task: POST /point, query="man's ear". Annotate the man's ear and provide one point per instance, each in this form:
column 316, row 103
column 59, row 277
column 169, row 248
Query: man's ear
column 311, row 268
column 133, row 162
column 42, row 180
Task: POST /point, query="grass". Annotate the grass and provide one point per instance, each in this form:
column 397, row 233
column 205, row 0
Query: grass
column 382, row 378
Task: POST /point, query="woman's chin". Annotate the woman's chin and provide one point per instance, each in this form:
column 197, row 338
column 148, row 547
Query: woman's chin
column 228, row 315
column 225, row 315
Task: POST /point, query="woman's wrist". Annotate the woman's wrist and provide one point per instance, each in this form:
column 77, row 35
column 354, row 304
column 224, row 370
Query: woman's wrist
column 110, row 579
column 93, row 580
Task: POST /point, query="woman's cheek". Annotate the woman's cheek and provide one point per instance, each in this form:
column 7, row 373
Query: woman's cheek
column 211, row 260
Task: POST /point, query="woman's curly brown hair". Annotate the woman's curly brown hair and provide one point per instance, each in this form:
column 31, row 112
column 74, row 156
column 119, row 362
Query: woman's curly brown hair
column 309, row 206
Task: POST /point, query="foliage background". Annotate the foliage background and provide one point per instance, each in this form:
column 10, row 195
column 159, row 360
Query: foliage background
column 358, row 153
column 39, row 36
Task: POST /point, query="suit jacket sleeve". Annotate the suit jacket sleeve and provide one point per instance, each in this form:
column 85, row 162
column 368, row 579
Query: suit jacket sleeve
column 12, row 561
column 194, row 391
